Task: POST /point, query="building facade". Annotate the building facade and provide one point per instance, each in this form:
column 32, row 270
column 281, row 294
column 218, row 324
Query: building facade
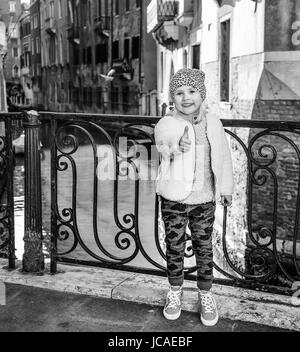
column 35, row 67
column 249, row 51
column 25, row 57
column 10, row 12
column 54, row 55
column 93, row 57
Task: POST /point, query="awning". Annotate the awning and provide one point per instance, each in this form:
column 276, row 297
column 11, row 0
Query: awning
column 230, row 2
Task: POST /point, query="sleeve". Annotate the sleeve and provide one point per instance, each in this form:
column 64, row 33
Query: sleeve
column 227, row 184
column 163, row 145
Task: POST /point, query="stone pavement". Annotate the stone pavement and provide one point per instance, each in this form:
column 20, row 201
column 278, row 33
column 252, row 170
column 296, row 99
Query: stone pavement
column 99, row 299
column 31, row 309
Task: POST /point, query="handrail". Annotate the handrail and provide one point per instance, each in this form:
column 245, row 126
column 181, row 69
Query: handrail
column 274, row 124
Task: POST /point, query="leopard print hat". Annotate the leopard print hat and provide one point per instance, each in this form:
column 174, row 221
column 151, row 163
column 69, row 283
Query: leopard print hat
column 188, row 77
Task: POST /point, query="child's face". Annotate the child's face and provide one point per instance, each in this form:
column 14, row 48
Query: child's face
column 187, row 100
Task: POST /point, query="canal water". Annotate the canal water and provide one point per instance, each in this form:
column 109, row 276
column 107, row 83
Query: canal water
column 100, row 223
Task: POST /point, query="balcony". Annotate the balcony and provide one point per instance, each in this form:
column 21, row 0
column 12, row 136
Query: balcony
column 121, row 69
column 102, row 25
column 159, row 11
column 185, row 13
column 73, row 34
column 229, row 2
column 50, row 25
column 167, row 34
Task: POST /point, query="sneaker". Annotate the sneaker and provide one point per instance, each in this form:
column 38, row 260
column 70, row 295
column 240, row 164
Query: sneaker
column 172, row 309
column 208, row 308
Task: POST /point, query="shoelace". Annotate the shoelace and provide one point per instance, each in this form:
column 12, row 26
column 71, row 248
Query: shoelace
column 174, row 298
column 207, row 302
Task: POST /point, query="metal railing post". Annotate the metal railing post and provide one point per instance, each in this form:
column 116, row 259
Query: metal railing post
column 33, row 257
column 10, row 194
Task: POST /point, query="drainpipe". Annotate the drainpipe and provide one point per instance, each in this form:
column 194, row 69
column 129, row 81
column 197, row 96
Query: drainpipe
column 141, row 41
column 3, row 51
column 111, row 30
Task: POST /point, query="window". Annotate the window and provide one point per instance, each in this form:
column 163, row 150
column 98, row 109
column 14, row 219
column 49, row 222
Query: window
column 15, row 51
column 196, row 56
column 37, row 45
column 59, row 9
column 61, row 49
column 38, row 69
column 115, row 50
column 84, row 13
column 90, row 97
column 75, row 95
column 127, row 5
column 16, row 71
column 52, row 50
column 101, row 53
column 87, row 96
column 12, row 6
column 76, row 54
column 99, row 8
column 46, row 11
column 162, row 70
column 106, row 9
column 114, row 98
column 99, row 96
column 117, row 7
column 135, row 50
column 84, row 56
column 125, row 98
column 51, row 9
column 32, row 47
column 55, row 92
column 70, row 93
column 137, row 3
column 67, row 52
column 126, row 48
column 27, row 59
column 225, row 57
column 35, row 21
column 89, row 55
column 28, row 30
column 70, row 11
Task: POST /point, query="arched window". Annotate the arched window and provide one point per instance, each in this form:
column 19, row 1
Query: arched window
column 16, row 71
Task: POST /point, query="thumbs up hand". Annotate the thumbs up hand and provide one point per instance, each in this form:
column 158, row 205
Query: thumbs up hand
column 185, row 142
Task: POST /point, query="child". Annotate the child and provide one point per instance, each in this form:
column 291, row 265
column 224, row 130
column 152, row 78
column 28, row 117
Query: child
column 195, row 171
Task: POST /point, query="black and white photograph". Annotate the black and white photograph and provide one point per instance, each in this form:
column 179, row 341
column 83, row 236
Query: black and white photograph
column 150, row 169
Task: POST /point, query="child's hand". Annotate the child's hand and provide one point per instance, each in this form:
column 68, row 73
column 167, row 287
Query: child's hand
column 226, row 200
column 185, row 142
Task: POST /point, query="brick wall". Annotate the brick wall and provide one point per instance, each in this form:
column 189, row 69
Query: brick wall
column 285, row 167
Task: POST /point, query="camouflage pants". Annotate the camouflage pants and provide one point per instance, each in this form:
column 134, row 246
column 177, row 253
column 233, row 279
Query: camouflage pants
column 200, row 218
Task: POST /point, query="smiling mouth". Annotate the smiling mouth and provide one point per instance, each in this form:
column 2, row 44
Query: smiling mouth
column 187, row 105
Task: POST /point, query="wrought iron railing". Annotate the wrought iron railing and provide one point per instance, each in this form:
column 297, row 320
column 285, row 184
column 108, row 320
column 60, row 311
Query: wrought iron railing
column 166, row 10
column 10, row 124
column 102, row 23
column 73, row 32
column 104, row 211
